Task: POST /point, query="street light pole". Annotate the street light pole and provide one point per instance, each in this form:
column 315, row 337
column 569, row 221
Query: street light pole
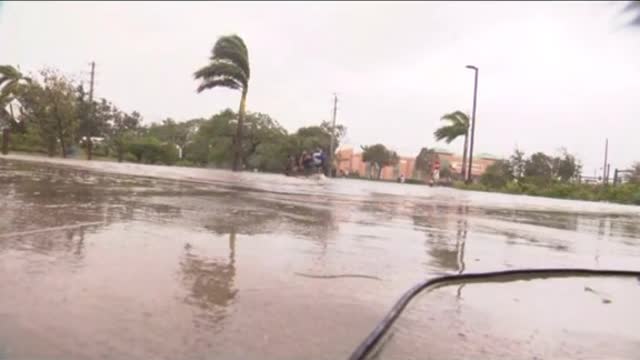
column 473, row 121
column 333, row 134
column 605, row 174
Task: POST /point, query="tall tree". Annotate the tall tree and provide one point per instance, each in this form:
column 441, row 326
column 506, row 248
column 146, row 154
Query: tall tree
column 59, row 95
column 123, row 127
column 35, row 112
column 229, row 67
column 425, row 160
column 172, row 132
column 566, row 167
column 497, row 174
column 260, row 130
column 311, row 137
column 379, row 155
column 538, row 169
column 517, row 163
column 458, row 126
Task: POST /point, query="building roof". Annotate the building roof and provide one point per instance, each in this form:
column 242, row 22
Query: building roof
column 443, row 151
column 487, row 156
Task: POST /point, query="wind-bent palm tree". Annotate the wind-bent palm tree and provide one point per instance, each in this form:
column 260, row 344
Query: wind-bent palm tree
column 229, row 67
column 10, row 81
column 458, row 126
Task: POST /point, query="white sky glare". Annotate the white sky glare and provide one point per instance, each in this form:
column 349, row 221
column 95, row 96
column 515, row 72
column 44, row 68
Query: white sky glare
column 552, row 74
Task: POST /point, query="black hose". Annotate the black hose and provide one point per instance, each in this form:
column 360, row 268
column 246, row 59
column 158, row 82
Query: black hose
column 369, row 343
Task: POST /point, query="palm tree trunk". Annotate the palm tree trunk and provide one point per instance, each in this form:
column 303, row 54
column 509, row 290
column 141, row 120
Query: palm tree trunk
column 232, row 247
column 237, row 157
column 464, row 156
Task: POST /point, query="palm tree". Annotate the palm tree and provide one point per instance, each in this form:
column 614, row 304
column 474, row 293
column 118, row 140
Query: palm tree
column 229, row 67
column 11, row 80
column 458, row 126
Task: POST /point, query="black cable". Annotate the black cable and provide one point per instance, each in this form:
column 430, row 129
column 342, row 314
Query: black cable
column 369, row 343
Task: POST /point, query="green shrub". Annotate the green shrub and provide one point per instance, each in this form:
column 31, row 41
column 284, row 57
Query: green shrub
column 584, row 193
column 473, row 186
column 101, row 149
column 497, row 175
column 414, row 181
column 512, row 188
column 185, row 163
column 129, row 157
column 627, row 193
column 529, row 188
column 561, row 191
column 151, row 151
column 26, row 142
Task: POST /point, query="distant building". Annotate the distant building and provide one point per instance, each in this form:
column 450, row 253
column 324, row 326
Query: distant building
column 350, row 163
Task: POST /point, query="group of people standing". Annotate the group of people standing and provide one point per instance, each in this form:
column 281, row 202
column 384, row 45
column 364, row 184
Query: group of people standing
column 308, row 162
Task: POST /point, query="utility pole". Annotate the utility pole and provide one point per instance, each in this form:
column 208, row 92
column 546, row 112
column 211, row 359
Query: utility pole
column 604, row 167
column 333, row 134
column 91, row 112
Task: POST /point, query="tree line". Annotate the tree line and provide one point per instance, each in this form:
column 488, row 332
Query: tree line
column 50, row 114
column 557, row 176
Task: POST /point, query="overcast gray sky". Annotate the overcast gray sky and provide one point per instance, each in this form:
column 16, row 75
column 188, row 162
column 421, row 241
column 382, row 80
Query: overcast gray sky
column 551, row 74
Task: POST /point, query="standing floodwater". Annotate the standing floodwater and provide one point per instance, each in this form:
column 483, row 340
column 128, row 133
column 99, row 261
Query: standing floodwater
column 96, row 263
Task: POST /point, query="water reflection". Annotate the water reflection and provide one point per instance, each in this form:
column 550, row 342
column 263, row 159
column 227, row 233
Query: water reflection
column 446, row 230
column 51, row 241
column 209, row 281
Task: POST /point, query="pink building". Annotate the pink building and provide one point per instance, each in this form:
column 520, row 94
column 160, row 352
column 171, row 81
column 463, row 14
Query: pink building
column 350, row 162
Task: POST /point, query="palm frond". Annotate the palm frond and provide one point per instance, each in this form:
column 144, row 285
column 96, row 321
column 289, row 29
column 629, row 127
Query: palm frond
column 217, row 69
column 458, row 126
column 218, row 82
column 10, row 72
column 233, row 49
column 229, row 66
column 448, row 133
column 457, row 118
column 11, row 82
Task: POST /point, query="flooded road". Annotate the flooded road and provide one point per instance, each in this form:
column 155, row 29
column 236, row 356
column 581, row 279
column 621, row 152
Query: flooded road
column 179, row 263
